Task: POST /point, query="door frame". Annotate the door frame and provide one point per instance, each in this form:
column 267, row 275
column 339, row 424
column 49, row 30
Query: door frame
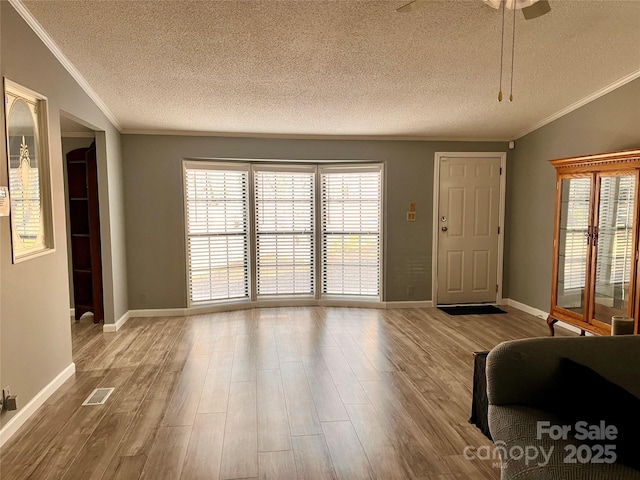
column 436, row 207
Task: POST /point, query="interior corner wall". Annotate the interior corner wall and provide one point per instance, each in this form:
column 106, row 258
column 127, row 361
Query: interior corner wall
column 35, row 332
column 610, row 123
column 155, row 219
column 112, row 225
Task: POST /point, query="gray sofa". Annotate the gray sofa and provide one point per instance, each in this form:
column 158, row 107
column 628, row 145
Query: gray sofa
column 522, row 387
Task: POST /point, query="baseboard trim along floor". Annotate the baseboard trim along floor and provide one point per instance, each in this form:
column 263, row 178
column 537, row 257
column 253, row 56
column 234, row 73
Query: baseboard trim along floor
column 23, row 414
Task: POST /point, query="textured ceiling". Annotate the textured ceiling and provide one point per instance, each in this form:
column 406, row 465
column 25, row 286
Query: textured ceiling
column 354, row 68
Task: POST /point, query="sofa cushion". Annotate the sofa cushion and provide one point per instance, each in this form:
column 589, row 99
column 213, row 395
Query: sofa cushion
column 515, row 428
column 583, row 395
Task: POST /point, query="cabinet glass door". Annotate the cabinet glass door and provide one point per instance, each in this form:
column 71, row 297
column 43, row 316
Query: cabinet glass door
column 573, row 243
column 614, row 247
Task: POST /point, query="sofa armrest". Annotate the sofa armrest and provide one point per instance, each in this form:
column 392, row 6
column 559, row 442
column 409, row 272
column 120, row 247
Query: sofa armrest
column 522, row 371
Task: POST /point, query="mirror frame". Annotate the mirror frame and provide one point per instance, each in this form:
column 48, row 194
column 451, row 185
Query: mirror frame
column 38, row 106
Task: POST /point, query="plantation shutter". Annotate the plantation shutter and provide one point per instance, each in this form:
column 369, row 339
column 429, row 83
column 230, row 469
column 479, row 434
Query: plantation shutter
column 217, row 232
column 284, row 224
column 351, row 230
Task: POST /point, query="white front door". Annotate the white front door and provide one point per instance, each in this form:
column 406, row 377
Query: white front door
column 468, row 221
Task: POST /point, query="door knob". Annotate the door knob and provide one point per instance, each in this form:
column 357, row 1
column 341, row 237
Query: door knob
column 444, row 229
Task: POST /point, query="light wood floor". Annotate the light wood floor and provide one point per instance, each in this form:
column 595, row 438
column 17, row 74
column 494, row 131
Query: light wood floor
column 283, row 393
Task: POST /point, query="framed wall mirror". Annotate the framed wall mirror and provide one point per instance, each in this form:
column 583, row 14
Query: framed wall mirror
column 28, row 171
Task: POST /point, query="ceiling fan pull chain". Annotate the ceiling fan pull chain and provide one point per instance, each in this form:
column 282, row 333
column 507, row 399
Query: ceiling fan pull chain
column 501, row 51
column 513, row 51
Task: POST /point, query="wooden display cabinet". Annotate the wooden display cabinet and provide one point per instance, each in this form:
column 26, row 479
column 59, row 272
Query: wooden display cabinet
column 595, row 246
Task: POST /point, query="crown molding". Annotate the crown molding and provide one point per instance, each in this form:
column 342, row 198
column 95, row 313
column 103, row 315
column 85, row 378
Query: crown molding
column 26, row 15
column 580, row 103
column 296, row 136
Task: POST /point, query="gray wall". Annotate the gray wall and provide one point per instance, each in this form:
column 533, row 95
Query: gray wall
column 155, row 219
column 35, row 334
column 607, row 124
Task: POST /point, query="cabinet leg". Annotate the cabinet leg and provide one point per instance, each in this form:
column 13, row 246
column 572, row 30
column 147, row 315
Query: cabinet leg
column 582, row 333
column 551, row 323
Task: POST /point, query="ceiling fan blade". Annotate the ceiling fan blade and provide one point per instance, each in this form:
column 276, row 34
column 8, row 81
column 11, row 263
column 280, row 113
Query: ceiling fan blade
column 536, row 10
column 411, row 6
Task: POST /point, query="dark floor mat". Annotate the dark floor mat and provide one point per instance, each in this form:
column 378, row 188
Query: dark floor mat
column 472, row 310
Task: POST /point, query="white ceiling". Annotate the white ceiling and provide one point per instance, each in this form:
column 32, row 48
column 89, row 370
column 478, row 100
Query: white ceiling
column 340, row 67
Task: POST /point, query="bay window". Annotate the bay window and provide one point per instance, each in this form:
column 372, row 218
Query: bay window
column 287, row 230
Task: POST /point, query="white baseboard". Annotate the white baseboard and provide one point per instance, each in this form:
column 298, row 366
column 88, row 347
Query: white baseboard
column 36, row 402
column 527, row 309
column 418, row 304
column 570, row 327
column 540, row 314
column 114, row 327
column 162, row 312
column 244, row 305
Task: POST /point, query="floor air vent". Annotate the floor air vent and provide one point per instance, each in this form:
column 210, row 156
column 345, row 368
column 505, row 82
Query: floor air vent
column 98, row 396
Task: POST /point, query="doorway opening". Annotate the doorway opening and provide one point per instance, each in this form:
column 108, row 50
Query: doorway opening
column 83, row 220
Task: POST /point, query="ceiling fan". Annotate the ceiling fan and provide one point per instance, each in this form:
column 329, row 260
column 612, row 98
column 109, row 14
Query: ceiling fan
column 530, row 8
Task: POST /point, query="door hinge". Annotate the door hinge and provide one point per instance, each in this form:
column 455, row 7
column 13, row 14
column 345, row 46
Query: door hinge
column 500, row 170
column 496, row 288
column 498, row 230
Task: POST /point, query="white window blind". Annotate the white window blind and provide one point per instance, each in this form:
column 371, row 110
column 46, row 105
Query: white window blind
column 623, row 242
column 217, row 231
column 615, row 229
column 351, row 230
column 26, row 205
column 575, row 251
column 284, row 223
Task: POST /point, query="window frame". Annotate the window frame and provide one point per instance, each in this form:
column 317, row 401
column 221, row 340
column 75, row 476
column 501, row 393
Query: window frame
column 41, row 133
column 253, row 165
column 199, row 165
column 348, row 168
column 285, row 168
